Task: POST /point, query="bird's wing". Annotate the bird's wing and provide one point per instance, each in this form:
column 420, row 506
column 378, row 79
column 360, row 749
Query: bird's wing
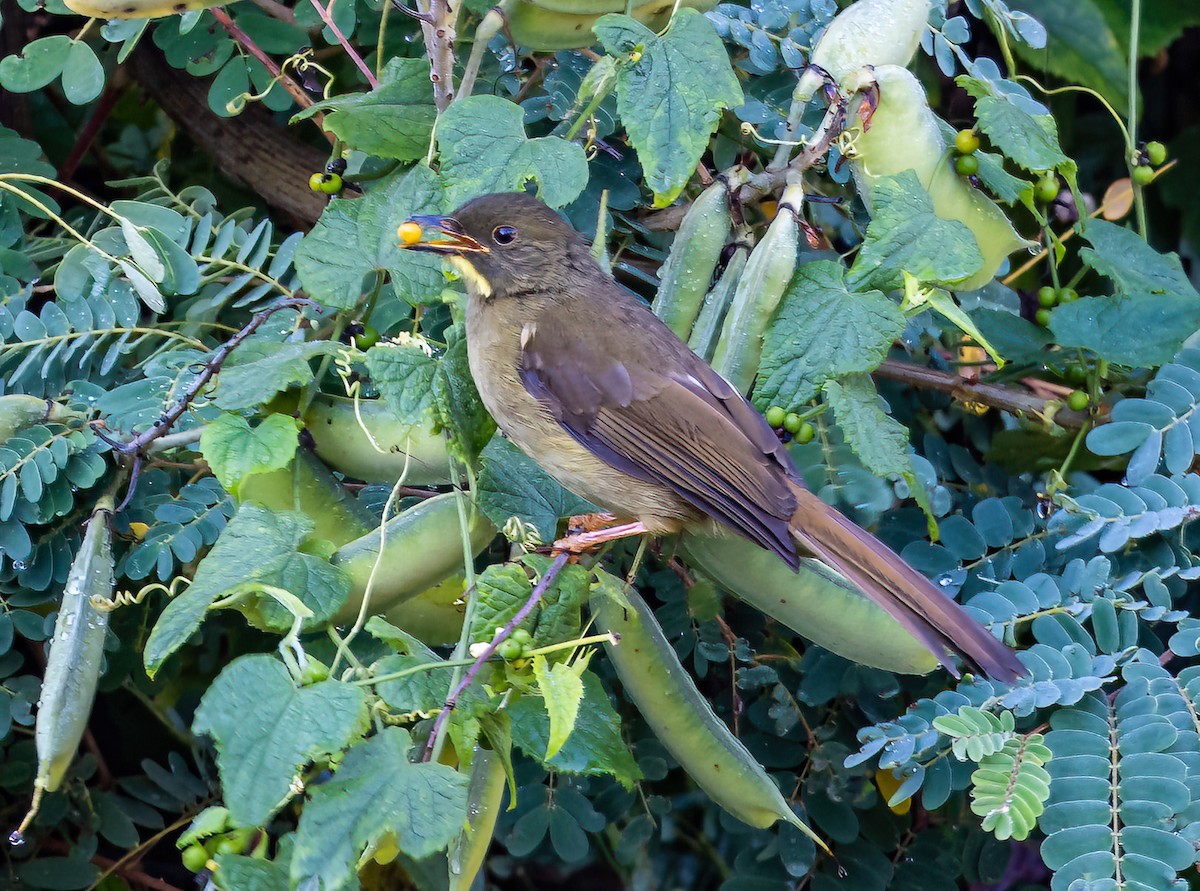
column 669, row 419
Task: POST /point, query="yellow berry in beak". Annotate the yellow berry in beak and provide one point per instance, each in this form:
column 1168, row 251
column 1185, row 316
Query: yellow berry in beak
column 409, row 232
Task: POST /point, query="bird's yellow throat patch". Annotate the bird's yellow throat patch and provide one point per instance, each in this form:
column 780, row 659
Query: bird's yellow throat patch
column 476, row 282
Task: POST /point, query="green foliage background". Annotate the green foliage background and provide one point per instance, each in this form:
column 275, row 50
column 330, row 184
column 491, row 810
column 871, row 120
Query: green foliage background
column 240, row 714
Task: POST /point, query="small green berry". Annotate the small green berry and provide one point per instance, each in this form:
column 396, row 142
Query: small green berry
column 805, row 433
column 522, row 636
column 966, row 142
column 314, row 181
column 775, row 416
column 331, row 183
column 1042, row 317
column 1143, row 176
column 792, row 423
column 1046, row 189
column 966, row 165
column 1076, row 373
column 228, row 845
column 1078, row 400
column 367, row 338
column 1067, row 295
column 510, row 649
column 1047, row 297
column 1156, row 153
column 194, row 858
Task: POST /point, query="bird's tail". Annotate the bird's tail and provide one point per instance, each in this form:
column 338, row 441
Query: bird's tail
column 929, row 615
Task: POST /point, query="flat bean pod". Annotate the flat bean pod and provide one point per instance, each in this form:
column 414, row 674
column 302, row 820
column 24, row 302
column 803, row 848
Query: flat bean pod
column 484, row 796
column 815, row 602
column 422, row 547
column 686, row 274
column 343, row 444
column 681, row 716
column 759, row 290
column 707, row 329
column 75, row 658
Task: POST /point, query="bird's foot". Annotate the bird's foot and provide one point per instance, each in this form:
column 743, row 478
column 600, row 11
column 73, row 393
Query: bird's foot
column 578, row 542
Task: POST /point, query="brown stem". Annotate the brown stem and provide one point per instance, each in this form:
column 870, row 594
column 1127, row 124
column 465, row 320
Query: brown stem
column 345, row 44
column 257, row 151
column 548, row 577
column 995, row 395
column 207, row 371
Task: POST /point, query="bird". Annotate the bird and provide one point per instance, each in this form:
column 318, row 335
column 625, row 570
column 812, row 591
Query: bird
column 580, row 374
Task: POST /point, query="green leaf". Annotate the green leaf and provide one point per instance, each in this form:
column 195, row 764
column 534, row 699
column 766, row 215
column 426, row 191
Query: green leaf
column 376, row 791
column 1153, row 312
column 559, row 616
column 234, row 450
column 1140, row 330
column 484, row 149
column 82, row 74
column 594, row 748
column 878, row 439
column 266, row 729
column 512, row 485
column 670, row 100
column 258, row 547
column 1029, row 140
column 258, row 370
column 404, row 374
column 353, row 239
column 458, row 404
column 1081, row 47
column 821, row 331
column 1016, row 339
column 395, row 120
column 251, row 874
column 562, row 691
column 500, row 590
column 905, row 235
column 1122, row 255
column 38, row 63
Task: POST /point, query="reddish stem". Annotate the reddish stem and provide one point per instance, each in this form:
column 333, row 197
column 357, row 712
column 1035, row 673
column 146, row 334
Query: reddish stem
column 551, row 573
column 341, row 38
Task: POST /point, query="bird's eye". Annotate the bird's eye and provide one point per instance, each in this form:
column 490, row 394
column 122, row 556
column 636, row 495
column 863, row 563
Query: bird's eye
column 504, row 235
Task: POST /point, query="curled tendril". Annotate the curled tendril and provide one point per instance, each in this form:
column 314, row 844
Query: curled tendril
column 749, row 129
column 301, row 63
column 103, row 604
column 847, row 142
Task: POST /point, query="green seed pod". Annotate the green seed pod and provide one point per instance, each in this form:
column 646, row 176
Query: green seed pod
column 344, row 444
column 680, row 716
column 905, row 135
column 309, row 487
column 18, row 411
column 869, row 32
column 422, row 547
column 484, row 796
column 707, row 329
column 686, row 275
column 815, row 602
column 75, row 658
column 759, row 290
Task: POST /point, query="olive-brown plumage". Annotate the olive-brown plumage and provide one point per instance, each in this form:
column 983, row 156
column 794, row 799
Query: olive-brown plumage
column 588, row 382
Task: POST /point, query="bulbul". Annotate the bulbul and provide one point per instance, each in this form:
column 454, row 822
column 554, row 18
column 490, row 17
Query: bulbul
column 588, row 382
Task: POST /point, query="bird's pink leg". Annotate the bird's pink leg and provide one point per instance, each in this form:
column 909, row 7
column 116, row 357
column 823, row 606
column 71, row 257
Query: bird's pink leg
column 579, row 542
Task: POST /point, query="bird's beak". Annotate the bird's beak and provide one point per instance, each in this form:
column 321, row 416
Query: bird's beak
column 453, row 240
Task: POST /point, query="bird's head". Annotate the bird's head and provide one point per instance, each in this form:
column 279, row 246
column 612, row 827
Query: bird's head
column 504, row 244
